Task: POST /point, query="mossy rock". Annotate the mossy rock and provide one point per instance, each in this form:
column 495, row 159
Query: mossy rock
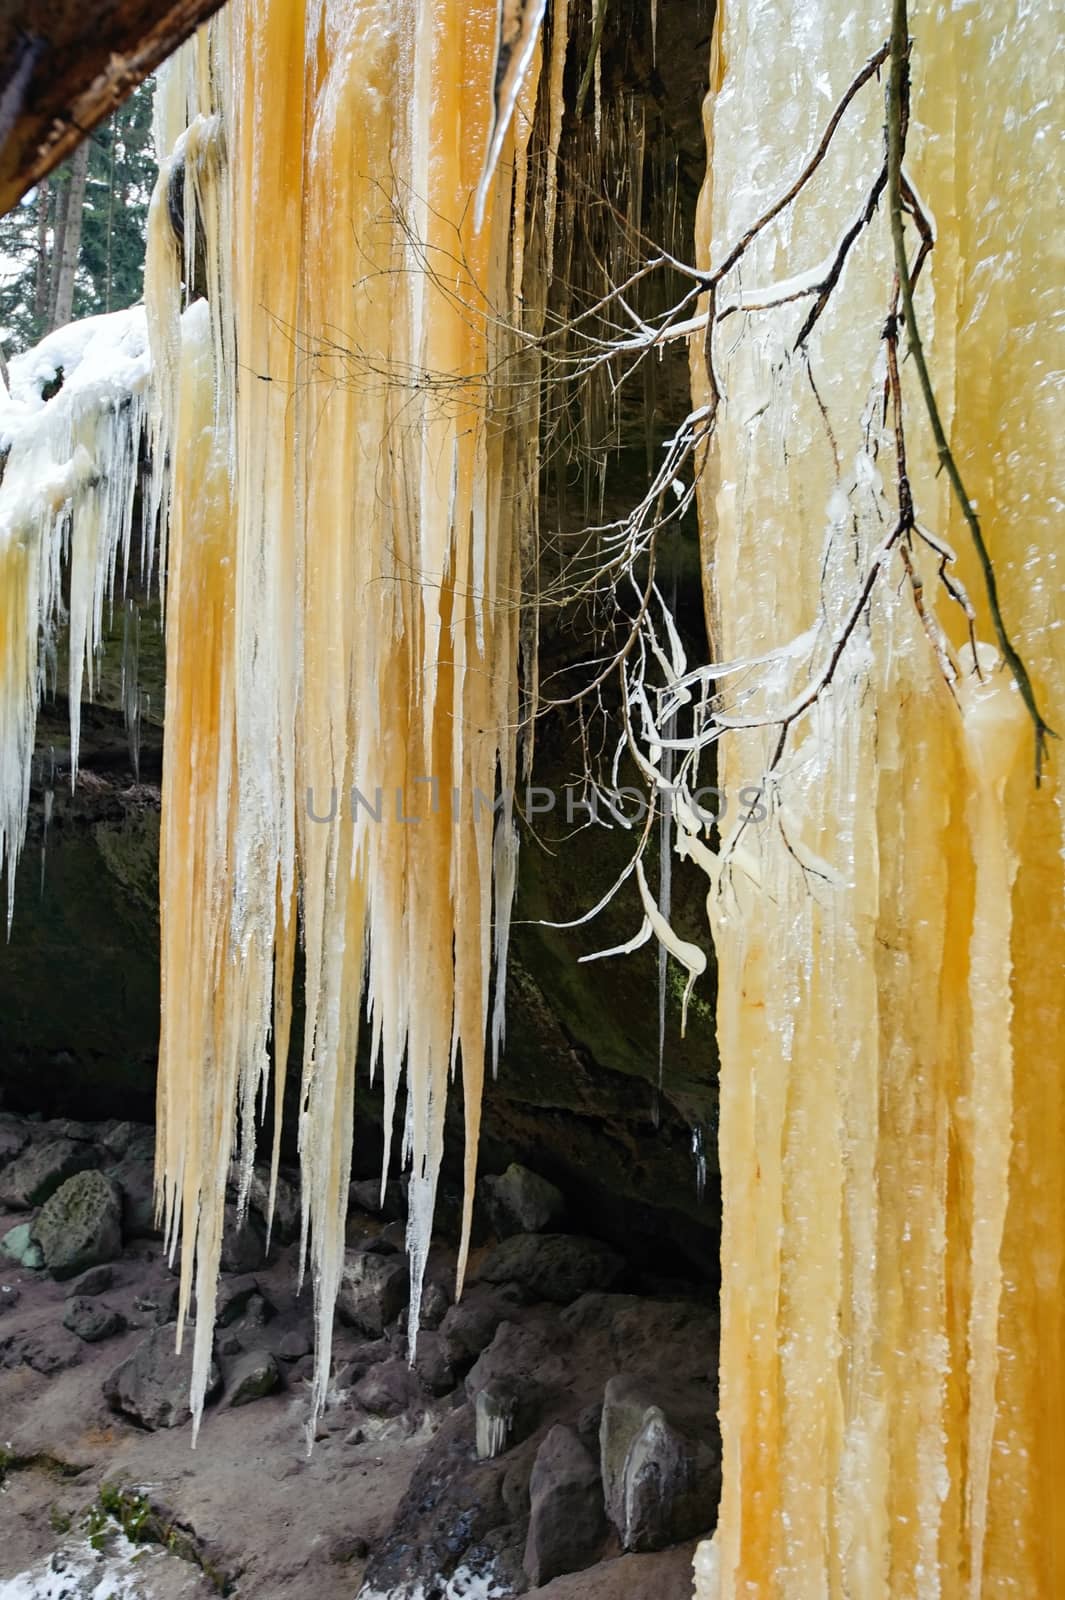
column 80, row 1226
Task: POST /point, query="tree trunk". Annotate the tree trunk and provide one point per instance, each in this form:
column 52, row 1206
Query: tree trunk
column 44, row 273
column 68, row 248
column 59, row 228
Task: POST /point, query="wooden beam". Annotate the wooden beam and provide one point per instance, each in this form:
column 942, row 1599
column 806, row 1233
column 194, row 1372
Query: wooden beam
column 66, row 64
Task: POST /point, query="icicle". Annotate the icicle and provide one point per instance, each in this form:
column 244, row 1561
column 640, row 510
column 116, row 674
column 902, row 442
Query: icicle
column 131, row 694
column 71, row 470
column 889, row 1000
column 343, row 484
column 519, row 34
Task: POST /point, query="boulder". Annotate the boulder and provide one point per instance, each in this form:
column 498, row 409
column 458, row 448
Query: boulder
column 660, row 1461
column 470, row 1327
column 251, row 1377
column 118, row 1137
column 373, row 1291
column 92, row 1321
column 387, row 1389
column 95, row 1281
column 285, row 1226
column 243, row 1242
column 294, row 1344
column 664, row 1576
column 69, row 1128
column 80, row 1226
column 49, row 1351
column 134, row 1177
column 436, row 1302
column 35, row 1175
column 553, row 1266
column 18, row 1243
column 358, row 1360
column 521, row 1201
column 152, row 1385
column 567, row 1523
column 365, row 1193
column 505, row 1412
column 433, row 1369
column 13, row 1140
column 233, row 1298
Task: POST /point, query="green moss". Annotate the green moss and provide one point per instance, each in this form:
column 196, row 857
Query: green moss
column 118, row 1507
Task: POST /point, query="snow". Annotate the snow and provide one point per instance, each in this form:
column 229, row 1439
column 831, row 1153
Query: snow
column 103, row 359
column 78, row 1572
column 67, row 490
column 462, row 1585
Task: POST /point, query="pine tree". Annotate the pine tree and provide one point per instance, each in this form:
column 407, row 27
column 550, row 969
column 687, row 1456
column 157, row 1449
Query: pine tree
column 105, row 243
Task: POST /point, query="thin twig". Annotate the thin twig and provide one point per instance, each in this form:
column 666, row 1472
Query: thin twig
column 898, row 101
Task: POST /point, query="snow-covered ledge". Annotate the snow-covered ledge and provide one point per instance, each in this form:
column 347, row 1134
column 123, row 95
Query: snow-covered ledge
column 71, row 426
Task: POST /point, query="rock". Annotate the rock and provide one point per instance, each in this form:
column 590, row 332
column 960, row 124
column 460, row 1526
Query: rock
column 373, row 1291
column 359, row 1360
column 393, row 1234
column 659, row 1460
column 165, row 1304
column 431, row 1365
column 136, row 1184
column 553, row 1266
column 521, row 1202
column 68, row 1128
column 285, row 1227
column 95, row 1281
column 49, row 1352
column 567, row 1523
column 80, row 1226
column 19, row 1244
column 294, row 1344
column 356, row 1237
column 117, row 1137
column 349, row 1547
column 243, row 1243
column 436, row 1302
column 452, row 1504
column 91, row 1321
column 505, row 1411
column 152, row 1385
column 13, row 1140
column 664, row 1576
column 9, row 1297
column 251, row 1377
column 366, row 1194
column 387, row 1389
column 35, row 1175
column 233, row 1297
column 470, row 1327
